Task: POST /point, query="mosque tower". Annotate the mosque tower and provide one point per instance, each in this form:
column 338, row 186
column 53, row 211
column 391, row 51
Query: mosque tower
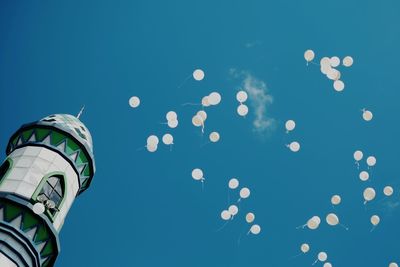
column 48, row 164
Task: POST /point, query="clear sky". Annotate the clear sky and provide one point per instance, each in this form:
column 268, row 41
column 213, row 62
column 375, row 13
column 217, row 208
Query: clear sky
column 144, row 209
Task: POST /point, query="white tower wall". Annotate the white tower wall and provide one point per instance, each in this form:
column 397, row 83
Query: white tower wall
column 29, row 165
column 6, row 262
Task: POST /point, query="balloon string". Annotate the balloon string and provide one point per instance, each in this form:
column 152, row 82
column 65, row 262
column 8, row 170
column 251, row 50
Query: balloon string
column 190, row 104
column 312, row 62
column 373, row 228
column 240, row 237
column 301, row 226
column 315, row 262
column 298, row 255
column 184, row 81
column 344, row 226
column 203, row 145
column 141, row 148
column 222, row 227
column 202, row 184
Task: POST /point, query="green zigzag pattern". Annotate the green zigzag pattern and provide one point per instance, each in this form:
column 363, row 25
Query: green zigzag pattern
column 61, row 142
column 41, row 239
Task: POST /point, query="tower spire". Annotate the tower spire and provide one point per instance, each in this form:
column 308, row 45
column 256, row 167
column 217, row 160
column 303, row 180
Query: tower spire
column 81, row 111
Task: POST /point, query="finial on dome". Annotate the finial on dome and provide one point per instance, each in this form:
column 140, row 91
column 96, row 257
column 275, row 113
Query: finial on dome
column 81, row 111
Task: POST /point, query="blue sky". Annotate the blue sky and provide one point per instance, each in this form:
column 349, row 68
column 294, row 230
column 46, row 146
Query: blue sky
column 144, row 209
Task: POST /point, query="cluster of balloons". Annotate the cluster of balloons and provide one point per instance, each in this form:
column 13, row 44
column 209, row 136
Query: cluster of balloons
column 233, row 209
column 331, row 219
column 212, row 99
column 321, row 256
column 153, row 141
column 371, row 161
column 294, row 146
column 172, row 119
column 242, row 109
column 369, row 193
column 329, row 67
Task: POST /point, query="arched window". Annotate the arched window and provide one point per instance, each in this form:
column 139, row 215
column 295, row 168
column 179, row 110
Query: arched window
column 4, row 169
column 52, row 193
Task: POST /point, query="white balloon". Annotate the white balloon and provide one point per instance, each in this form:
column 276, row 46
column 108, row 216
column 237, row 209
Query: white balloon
column 375, row 220
column 255, row 229
column 393, row 264
column 338, row 85
column 333, row 74
column 250, row 217
column 198, row 74
column 214, row 137
column 205, row 102
column 332, row 219
column 388, row 191
column 233, row 210
column 290, row 125
column 152, row 140
column 358, row 155
column 151, row 147
column 294, row 146
column 364, row 176
column 371, row 161
column 173, row 124
column 241, row 96
column 38, row 208
column 334, row 61
column 367, row 115
column 317, row 219
column 336, row 200
column 322, row 256
column 134, row 101
column 242, row 110
column 233, row 183
column 171, row 116
column 325, row 61
column 197, row 174
column 168, row 139
column 325, row 65
column 214, row 98
column 202, row 114
column 305, row 248
column 309, row 55
column 225, row 215
column 347, row 61
column 327, row 264
column 369, row 194
column 313, row 223
column 325, row 69
column 197, row 120
column 244, row 192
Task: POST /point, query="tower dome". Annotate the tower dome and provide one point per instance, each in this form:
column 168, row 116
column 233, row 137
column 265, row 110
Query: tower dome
column 73, row 125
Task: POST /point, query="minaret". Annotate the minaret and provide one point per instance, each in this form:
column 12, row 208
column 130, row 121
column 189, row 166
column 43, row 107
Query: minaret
column 49, row 163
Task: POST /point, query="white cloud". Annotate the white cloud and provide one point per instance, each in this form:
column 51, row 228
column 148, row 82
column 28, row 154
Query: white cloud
column 259, row 99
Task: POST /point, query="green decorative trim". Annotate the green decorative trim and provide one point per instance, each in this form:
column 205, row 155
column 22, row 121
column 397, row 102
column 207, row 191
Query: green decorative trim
column 12, row 210
column 11, row 162
column 51, row 216
column 61, row 142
